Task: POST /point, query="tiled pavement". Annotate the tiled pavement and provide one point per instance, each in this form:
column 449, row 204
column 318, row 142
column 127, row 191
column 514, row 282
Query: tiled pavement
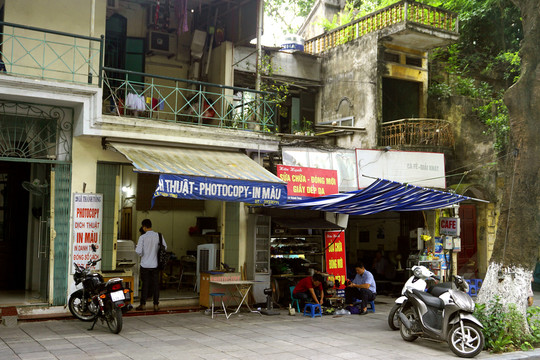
column 244, row 336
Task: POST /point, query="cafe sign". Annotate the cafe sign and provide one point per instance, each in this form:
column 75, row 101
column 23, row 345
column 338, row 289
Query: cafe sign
column 449, row 226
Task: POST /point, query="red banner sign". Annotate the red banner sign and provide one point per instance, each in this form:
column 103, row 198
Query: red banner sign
column 305, row 182
column 335, row 255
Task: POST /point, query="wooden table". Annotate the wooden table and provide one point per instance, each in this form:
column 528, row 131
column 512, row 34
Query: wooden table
column 243, row 288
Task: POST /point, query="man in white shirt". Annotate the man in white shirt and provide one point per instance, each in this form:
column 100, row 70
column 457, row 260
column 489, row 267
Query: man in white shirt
column 147, row 249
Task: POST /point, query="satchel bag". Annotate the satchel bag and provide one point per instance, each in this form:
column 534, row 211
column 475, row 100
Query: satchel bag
column 163, row 255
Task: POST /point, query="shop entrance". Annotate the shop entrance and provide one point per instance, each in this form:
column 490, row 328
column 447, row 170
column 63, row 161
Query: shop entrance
column 24, row 235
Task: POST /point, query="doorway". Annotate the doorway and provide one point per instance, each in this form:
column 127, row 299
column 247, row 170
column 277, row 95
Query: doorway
column 401, row 99
column 467, row 259
column 24, row 235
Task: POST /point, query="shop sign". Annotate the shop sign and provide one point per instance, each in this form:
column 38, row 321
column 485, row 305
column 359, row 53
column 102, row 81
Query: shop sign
column 335, row 255
column 304, row 182
column 449, row 226
column 87, row 226
column 412, row 167
column 206, row 188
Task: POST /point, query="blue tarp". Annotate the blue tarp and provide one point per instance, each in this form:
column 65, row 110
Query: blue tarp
column 381, row 195
column 208, row 188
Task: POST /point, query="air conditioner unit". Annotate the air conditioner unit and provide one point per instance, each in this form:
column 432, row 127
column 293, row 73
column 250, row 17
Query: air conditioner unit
column 161, row 42
column 207, row 259
column 113, row 4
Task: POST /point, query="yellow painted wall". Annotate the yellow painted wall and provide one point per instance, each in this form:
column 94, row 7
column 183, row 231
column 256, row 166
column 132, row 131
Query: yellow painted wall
column 86, row 153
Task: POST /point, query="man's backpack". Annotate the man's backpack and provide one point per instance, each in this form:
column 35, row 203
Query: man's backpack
column 162, row 255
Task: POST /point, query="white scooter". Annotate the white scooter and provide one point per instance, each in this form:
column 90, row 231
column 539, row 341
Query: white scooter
column 417, row 281
column 448, row 318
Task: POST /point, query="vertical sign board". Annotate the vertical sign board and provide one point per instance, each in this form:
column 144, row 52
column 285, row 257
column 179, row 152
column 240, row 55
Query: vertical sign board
column 87, row 224
column 335, row 254
column 304, row 182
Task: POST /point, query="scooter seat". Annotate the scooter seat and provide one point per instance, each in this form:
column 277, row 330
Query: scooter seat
column 428, row 299
column 439, row 289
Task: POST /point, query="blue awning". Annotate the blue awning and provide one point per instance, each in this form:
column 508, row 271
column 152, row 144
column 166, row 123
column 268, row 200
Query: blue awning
column 205, row 174
column 381, row 195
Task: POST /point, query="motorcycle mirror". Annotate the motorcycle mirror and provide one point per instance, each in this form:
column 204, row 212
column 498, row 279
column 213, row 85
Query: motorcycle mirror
column 94, row 247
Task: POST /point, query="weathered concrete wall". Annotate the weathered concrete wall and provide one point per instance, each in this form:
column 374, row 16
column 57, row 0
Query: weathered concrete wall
column 292, row 65
column 350, row 89
column 473, row 150
column 322, row 9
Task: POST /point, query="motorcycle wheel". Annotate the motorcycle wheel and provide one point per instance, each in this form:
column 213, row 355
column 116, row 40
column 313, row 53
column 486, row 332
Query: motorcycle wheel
column 467, row 343
column 77, row 307
column 405, row 333
column 114, row 319
column 393, row 319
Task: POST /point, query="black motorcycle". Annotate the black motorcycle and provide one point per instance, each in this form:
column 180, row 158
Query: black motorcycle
column 97, row 299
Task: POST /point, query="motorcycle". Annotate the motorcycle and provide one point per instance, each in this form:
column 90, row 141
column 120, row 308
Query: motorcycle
column 418, row 280
column 447, row 318
column 106, row 301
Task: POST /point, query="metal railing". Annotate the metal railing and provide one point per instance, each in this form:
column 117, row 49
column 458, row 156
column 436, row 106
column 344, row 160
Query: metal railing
column 417, row 132
column 52, row 55
column 129, row 93
column 403, row 11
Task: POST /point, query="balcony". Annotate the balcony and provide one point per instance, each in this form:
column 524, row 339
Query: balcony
column 427, row 133
column 51, row 55
column 187, row 102
column 425, row 27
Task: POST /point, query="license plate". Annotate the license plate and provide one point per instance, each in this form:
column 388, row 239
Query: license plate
column 118, row 296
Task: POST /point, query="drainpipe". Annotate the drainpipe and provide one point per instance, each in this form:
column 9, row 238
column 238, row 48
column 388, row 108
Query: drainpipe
column 92, row 21
column 260, row 12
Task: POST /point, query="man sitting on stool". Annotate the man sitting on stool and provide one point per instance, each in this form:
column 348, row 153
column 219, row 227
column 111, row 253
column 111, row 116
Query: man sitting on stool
column 309, row 288
column 362, row 287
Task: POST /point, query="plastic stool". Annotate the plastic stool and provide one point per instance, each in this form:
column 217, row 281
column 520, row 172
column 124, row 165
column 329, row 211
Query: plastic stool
column 310, row 310
column 293, row 300
column 370, row 306
column 220, row 296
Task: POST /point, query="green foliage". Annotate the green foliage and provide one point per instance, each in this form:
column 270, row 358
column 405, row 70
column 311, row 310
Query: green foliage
column 504, row 329
column 495, row 115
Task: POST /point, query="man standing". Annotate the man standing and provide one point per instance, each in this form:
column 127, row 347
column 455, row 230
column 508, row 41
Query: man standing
column 147, row 249
column 362, row 287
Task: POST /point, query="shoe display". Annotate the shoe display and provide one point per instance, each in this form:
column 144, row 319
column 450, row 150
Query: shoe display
column 140, row 307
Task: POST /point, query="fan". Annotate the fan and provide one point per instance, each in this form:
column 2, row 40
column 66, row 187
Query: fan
column 36, row 187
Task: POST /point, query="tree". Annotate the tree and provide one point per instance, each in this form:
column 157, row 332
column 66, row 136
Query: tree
column 517, row 241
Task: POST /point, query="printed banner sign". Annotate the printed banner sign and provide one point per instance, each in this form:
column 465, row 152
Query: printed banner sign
column 335, row 254
column 205, row 188
column 87, row 225
column 449, row 226
column 304, row 182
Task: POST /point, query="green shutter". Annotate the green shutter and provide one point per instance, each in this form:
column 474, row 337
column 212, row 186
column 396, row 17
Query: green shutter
column 232, row 234
column 62, row 207
column 106, row 185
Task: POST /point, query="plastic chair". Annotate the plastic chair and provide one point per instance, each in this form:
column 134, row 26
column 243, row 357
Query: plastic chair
column 311, row 310
column 293, row 300
column 220, row 296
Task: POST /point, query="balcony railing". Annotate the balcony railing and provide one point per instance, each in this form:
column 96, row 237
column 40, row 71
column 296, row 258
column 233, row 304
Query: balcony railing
column 50, row 55
column 404, row 11
column 189, row 102
column 417, row 132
